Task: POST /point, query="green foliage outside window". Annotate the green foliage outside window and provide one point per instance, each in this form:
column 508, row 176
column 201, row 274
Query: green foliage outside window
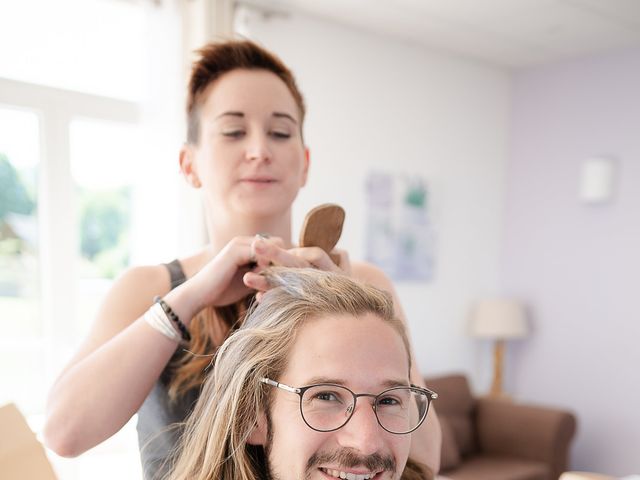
column 103, row 217
column 15, row 199
column 104, row 223
column 14, row 195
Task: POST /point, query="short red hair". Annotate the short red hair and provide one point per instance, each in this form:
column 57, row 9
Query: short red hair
column 218, row 58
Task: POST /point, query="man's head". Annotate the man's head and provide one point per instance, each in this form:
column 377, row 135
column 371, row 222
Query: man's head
column 256, row 419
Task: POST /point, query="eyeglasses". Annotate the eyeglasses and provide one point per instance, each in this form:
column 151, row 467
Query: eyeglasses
column 326, row 407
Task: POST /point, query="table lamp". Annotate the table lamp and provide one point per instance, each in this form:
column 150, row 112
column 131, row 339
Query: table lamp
column 498, row 319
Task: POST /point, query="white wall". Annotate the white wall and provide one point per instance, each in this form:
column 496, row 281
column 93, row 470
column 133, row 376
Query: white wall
column 577, row 264
column 377, row 103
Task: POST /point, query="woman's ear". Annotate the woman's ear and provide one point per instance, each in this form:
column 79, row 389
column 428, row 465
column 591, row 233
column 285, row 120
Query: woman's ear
column 305, row 171
column 259, row 434
column 188, row 166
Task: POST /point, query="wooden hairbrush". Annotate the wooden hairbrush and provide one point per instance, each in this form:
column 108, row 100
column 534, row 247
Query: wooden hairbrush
column 322, row 228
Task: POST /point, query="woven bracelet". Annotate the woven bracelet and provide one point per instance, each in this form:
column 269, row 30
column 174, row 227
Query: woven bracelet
column 160, row 322
column 184, row 332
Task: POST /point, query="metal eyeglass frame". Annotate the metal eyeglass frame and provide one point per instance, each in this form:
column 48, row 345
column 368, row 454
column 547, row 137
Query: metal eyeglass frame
column 430, row 394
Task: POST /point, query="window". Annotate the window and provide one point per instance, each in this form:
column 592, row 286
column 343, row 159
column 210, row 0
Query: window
column 19, row 260
column 104, row 168
column 90, row 95
column 91, row 46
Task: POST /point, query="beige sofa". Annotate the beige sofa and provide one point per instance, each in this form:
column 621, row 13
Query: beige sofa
column 491, row 439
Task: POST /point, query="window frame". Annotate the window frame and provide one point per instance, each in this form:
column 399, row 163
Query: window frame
column 57, row 247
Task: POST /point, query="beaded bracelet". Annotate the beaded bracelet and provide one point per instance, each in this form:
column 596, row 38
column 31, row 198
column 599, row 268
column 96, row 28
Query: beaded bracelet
column 184, row 332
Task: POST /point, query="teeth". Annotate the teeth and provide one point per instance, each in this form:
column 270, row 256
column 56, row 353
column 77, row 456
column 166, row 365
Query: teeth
column 347, row 476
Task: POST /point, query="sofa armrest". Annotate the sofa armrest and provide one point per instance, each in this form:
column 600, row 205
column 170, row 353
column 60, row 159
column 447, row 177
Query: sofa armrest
column 525, row 431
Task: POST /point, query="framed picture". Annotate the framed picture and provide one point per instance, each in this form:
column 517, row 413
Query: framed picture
column 399, row 236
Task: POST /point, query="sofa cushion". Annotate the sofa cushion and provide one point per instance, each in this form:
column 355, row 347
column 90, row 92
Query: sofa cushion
column 456, row 403
column 450, row 455
column 499, row 468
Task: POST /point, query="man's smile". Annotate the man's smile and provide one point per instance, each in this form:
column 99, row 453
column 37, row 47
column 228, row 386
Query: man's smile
column 348, row 475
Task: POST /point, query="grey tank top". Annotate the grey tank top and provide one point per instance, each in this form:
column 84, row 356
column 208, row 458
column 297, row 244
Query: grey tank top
column 159, row 422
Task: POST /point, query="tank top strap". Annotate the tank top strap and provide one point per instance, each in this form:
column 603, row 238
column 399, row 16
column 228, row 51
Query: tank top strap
column 176, row 273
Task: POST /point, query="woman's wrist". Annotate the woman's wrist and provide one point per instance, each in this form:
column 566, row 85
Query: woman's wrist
column 184, row 302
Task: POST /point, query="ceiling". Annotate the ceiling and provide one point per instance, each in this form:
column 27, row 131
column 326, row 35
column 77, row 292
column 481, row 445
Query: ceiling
column 509, row 33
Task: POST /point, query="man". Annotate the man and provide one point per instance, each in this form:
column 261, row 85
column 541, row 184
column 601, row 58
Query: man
column 313, row 385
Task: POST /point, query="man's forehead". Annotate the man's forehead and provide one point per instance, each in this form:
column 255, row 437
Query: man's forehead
column 384, row 383
column 361, row 350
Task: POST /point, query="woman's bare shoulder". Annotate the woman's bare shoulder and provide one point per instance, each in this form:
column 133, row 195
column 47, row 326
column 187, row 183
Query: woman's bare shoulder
column 138, row 280
column 132, row 294
column 368, row 273
column 137, row 286
column 156, row 278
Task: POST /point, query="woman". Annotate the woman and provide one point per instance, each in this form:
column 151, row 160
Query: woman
column 245, row 151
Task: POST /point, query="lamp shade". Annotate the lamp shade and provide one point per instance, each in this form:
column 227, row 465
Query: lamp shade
column 499, row 318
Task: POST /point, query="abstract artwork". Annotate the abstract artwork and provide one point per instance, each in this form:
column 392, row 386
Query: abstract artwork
column 399, row 237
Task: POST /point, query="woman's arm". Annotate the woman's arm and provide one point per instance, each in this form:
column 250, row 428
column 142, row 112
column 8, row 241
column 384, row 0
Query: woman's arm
column 108, row 379
column 114, row 370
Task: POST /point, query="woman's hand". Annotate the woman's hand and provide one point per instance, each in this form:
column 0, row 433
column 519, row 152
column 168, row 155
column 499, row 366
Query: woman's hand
column 220, row 281
column 298, row 257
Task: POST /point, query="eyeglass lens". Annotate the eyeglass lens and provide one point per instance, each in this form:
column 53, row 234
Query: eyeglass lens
column 329, row 407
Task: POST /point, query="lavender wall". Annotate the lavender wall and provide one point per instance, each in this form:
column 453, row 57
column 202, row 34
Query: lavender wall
column 578, row 265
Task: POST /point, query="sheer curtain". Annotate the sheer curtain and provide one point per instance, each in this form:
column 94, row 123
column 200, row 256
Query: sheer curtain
column 91, row 120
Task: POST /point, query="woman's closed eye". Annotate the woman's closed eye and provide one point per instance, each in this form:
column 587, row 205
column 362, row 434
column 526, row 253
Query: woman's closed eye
column 239, row 133
column 233, row 133
column 280, row 134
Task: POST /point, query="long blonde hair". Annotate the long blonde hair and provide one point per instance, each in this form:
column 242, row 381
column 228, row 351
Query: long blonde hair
column 214, row 443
